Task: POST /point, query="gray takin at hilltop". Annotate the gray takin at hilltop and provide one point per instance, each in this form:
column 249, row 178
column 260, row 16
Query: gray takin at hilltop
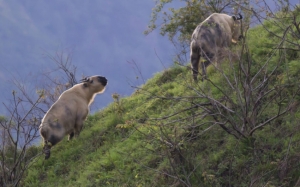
column 214, row 33
column 67, row 114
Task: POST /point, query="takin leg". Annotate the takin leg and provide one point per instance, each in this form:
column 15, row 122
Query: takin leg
column 71, row 136
column 203, row 67
column 78, row 127
column 48, row 145
column 208, row 58
column 195, row 57
column 46, row 149
column 79, row 120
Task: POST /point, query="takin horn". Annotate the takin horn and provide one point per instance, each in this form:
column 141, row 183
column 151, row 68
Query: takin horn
column 238, row 18
column 85, row 79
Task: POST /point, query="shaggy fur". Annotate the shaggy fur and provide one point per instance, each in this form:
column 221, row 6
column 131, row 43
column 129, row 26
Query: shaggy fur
column 216, row 32
column 67, row 114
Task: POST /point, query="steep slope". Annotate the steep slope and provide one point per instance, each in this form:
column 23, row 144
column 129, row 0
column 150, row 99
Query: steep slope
column 238, row 128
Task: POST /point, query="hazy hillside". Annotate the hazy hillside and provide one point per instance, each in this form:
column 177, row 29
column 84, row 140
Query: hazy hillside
column 102, row 36
column 238, row 128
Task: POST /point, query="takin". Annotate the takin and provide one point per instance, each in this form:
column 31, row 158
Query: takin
column 67, row 114
column 214, row 33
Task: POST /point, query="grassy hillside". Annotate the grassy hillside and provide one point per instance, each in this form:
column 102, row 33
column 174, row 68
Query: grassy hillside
column 238, row 128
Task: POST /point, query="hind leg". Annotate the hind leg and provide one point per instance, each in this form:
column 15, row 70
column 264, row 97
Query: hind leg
column 195, row 57
column 46, row 149
column 49, row 143
column 208, row 59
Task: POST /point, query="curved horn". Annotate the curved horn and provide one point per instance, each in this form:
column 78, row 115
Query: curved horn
column 240, row 17
column 85, row 79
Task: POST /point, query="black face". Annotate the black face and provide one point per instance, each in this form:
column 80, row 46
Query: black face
column 103, row 80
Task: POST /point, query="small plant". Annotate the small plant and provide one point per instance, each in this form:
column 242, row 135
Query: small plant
column 118, row 107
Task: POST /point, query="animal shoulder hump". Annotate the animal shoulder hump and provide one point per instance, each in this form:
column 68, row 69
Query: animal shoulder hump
column 79, row 87
column 215, row 15
column 75, row 90
column 228, row 19
column 217, row 18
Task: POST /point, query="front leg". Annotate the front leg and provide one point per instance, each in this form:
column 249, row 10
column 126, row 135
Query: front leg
column 79, row 121
column 78, row 128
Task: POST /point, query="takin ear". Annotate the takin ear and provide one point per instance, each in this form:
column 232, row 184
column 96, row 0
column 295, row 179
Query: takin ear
column 85, row 81
column 85, row 85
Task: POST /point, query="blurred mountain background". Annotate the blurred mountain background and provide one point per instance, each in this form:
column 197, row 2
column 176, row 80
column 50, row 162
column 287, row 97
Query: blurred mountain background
column 102, row 37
